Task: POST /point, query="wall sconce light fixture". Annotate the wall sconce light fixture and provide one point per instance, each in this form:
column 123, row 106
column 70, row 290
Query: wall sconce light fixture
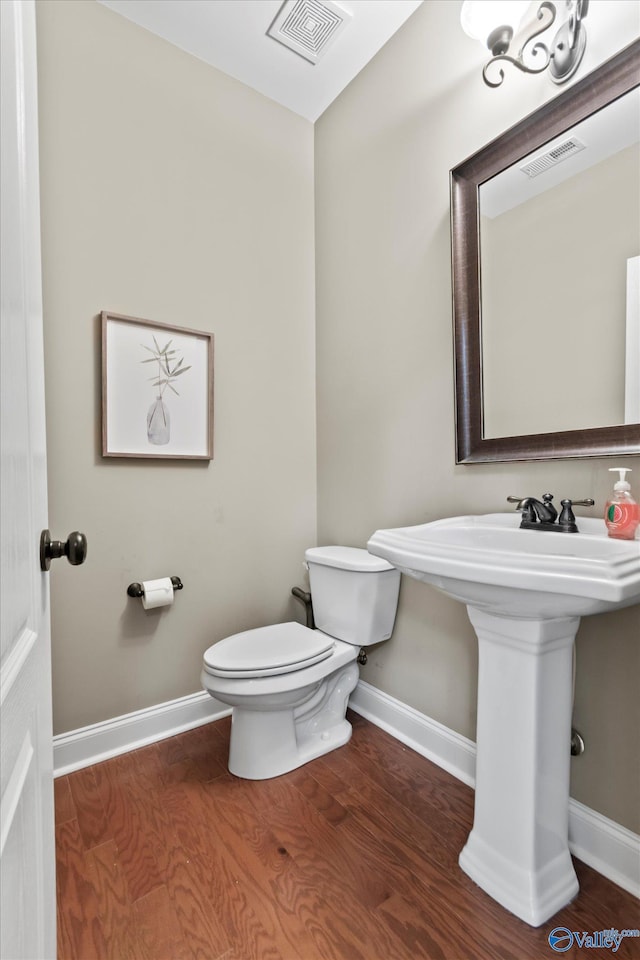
column 507, row 27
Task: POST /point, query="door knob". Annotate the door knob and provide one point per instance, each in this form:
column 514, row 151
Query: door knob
column 74, row 549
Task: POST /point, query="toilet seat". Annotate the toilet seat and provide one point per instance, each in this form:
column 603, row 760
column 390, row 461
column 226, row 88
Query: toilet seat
column 267, row 651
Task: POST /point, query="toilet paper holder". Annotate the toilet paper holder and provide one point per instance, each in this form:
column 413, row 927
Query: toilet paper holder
column 136, row 590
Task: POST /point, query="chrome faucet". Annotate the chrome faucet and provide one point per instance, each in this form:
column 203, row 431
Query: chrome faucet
column 537, row 515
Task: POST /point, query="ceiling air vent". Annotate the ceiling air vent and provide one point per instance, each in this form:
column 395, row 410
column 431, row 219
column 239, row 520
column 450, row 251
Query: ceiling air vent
column 547, row 160
column 308, row 27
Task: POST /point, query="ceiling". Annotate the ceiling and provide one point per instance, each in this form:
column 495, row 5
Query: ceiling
column 601, row 135
column 231, row 35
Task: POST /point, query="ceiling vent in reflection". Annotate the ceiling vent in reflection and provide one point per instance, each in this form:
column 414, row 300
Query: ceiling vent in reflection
column 308, row 27
column 568, row 148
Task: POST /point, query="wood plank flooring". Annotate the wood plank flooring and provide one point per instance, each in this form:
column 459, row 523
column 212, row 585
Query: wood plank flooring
column 163, row 855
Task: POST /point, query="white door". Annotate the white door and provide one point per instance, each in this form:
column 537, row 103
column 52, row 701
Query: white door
column 27, row 863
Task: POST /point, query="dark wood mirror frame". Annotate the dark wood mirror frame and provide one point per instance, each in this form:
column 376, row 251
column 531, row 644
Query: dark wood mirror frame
column 605, row 84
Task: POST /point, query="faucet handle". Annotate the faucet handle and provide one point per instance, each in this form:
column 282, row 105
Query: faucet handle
column 567, row 520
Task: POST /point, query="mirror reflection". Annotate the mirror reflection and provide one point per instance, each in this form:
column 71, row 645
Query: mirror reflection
column 560, row 241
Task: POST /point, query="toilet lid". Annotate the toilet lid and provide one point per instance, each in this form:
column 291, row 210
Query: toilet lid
column 347, row 558
column 281, row 648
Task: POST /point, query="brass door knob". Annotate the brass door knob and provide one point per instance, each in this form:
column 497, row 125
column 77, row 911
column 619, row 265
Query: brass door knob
column 74, row 549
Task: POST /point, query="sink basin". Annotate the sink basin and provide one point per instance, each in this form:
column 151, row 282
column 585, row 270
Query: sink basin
column 488, row 562
column 525, row 591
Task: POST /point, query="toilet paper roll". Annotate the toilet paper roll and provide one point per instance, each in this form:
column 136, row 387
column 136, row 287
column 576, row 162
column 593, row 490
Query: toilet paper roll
column 157, row 593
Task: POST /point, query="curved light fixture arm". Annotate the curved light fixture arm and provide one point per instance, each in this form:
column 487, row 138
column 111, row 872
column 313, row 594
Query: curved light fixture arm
column 546, row 14
column 537, row 48
column 562, row 58
column 576, row 17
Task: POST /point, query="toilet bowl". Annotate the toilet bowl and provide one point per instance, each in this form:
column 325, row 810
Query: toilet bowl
column 289, row 686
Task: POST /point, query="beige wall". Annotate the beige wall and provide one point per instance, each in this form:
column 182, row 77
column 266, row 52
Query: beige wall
column 385, row 383
column 174, row 193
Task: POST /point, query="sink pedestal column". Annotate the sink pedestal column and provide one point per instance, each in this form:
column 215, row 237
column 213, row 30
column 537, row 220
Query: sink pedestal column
column 518, row 849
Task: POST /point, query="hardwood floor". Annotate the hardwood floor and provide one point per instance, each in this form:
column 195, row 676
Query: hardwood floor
column 163, row 855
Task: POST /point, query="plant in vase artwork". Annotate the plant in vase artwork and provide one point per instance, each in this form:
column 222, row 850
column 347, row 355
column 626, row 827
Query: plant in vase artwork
column 170, row 367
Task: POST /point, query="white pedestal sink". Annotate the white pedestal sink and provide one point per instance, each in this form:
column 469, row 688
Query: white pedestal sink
column 525, row 592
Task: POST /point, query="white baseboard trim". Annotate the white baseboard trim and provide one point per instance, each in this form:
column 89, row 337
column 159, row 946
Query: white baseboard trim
column 606, row 846
column 449, row 750
column 100, row 741
column 601, row 843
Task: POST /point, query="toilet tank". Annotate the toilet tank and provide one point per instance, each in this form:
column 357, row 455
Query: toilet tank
column 354, row 594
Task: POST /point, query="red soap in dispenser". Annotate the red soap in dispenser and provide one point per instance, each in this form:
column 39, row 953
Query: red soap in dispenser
column 622, row 513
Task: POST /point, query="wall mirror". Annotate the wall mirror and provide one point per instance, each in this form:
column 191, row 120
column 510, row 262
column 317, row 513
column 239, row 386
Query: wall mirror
column 545, row 229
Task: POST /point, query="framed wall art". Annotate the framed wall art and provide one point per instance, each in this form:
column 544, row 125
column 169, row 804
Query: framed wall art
column 157, row 390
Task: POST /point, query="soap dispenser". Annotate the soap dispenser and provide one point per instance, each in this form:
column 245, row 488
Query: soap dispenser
column 622, row 513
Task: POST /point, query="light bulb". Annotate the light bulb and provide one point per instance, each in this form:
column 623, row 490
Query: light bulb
column 479, row 18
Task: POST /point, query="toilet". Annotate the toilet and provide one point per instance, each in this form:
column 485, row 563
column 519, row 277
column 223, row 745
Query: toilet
column 289, row 685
